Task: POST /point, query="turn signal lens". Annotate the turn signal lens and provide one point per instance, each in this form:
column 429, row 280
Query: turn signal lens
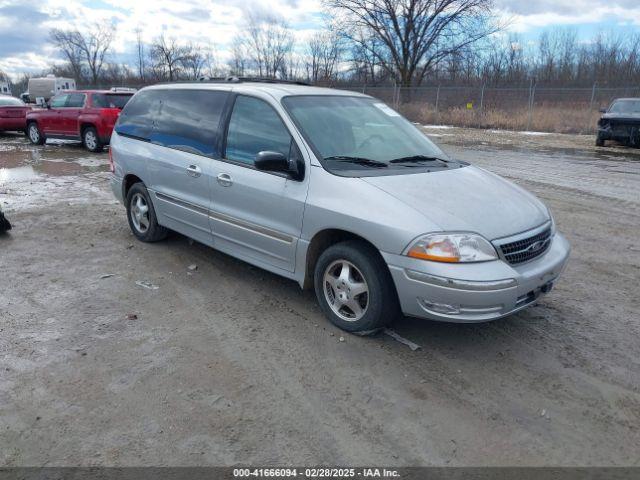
column 439, row 250
column 452, row 248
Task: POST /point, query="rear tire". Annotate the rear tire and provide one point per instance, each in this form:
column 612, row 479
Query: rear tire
column 354, row 287
column 35, row 134
column 91, row 140
column 142, row 216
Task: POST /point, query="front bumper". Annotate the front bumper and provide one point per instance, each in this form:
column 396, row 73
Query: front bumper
column 474, row 292
column 619, row 129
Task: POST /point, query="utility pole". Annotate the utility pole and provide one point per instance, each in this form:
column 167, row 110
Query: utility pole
column 532, row 94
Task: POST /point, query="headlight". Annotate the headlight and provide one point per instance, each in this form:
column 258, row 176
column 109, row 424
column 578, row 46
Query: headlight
column 452, row 248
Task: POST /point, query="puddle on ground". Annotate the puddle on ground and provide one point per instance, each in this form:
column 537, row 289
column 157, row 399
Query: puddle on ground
column 21, row 161
column 17, row 174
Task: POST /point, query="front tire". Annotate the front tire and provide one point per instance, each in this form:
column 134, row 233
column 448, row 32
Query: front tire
column 599, row 141
column 91, row 140
column 354, row 287
column 35, row 135
column 142, row 216
column 634, row 137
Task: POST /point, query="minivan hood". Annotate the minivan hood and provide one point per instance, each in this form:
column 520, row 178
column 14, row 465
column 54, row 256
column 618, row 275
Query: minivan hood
column 467, row 199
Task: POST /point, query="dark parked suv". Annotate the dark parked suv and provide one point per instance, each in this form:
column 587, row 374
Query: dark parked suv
column 620, row 122
column 84, row 115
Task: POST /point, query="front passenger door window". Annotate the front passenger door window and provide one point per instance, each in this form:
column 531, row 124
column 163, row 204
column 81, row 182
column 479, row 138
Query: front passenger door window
column 255, row 127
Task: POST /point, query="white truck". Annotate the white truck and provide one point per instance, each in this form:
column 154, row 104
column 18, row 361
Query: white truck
column 47, row 87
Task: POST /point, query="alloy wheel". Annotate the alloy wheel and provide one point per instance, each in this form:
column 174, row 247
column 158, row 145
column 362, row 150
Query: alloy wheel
column 139, row 213
column 34, row 134
column 90, row 140
column 346, row 290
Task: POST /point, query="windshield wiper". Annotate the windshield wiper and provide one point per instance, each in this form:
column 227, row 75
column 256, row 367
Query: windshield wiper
column 358, row 161
column 417, row 158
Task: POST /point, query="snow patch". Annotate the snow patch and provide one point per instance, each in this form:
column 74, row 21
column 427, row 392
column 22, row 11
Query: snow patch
column 436, row 127
column 519, row 133
column 534, row 133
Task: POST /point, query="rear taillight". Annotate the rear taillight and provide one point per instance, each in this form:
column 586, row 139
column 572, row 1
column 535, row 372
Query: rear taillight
column 112, row 167
column 110, row 112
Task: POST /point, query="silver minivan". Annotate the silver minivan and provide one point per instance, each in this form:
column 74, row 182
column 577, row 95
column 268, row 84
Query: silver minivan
column 337, row 191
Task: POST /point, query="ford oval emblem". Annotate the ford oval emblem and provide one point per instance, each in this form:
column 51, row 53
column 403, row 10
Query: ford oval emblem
column 536, row 246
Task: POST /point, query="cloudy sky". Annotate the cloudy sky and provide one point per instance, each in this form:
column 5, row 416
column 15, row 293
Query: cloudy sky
column 24, row 26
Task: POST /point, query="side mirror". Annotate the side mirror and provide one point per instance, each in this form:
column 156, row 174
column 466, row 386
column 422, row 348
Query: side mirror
column 272, row 162
column 40, row 101
column 603, row 110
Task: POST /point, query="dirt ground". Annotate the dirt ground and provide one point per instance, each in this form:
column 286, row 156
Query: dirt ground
column 228, row 364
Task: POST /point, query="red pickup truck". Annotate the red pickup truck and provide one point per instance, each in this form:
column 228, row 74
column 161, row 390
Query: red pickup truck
column 84, row 115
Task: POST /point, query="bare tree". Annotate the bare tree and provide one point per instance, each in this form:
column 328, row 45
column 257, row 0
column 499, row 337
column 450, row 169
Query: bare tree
column 416, row 34
column 63, row 41
column 365, row 54
column 193, row 61
column 294, row 66
column 140, row 53
column 324, row 50
column 210, row 67
column 267, row 41
column 90, row 48
column 167, row 57
column 239, row 56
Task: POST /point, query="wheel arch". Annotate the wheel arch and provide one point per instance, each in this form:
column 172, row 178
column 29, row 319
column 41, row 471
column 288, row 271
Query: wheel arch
column 127, row 182
column 84, row 124
column 323, row 240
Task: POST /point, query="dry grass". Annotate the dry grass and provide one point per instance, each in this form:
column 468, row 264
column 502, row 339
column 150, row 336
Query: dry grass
column 545, row 118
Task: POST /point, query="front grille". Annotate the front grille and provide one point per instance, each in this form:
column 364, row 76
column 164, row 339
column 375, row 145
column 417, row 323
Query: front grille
column 526, row 249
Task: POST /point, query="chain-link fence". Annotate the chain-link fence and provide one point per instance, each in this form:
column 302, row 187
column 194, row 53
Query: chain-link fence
column 532, row 107
column 529, row 107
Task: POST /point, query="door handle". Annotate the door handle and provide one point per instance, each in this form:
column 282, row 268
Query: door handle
column 225, row 179
column 194, row 171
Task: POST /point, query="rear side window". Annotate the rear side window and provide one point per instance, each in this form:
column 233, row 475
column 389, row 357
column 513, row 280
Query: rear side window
column 189, row 120
column 255, row 127
column 109, row 100
column 75, row 100
column 138, row 117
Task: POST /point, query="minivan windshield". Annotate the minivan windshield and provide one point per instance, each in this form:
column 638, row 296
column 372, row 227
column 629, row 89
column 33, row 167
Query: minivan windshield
column 359, row 133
